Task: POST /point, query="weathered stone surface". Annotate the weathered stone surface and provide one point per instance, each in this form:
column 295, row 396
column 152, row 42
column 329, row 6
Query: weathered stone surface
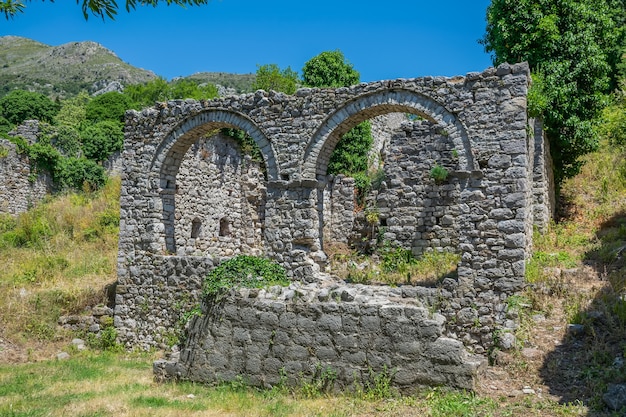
column 189, row 198
column 353, row 351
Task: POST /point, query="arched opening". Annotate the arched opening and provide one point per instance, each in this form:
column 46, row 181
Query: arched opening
column 403, row 222
column 204, row 175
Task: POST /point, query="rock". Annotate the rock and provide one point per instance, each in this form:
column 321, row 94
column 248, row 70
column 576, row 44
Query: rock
column 531, row 353
column 507, row 341
column 63, row 356
column 576, row 329
column 528, row 391
column 615, row 397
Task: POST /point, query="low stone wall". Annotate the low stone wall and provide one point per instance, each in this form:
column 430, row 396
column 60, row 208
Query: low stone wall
column 304, row 332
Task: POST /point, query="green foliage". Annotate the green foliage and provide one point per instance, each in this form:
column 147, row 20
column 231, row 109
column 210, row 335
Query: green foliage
column 108, row 106
column 66, row 172
column 329, row 69
column 350, row 154
column 19, row 105
column 98, row 8
column 5, row 125
column 44, row 156
column 271, row 77
column 613, row 125
column 102, row 139
column 159, row 90
column 377, row 386
column 574, row 45
column 30, row 230
column 73, row 111
column 67, row 141
column 185, row 88
column 146, row 94
column 241, row 83
column 322, row 382
column 243, row 271
column 246, row 143
column 80, row 174
column 439, row 173
column 537, row 99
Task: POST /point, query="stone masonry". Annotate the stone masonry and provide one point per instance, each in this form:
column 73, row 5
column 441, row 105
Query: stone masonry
column 178, row 221
column 19, row 190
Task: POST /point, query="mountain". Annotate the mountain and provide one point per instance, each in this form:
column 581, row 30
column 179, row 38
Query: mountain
column 62, row 70
column 65, row 70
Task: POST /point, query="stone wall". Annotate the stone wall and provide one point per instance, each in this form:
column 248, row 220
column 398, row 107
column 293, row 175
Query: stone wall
column 22, row 188
column 220, row 200
column 297, row 333
column 19, row 190
column 475, row 127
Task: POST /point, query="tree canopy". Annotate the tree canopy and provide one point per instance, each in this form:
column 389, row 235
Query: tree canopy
column 329, row 69
column 98, row 8
column 573, row 48
column 271, row 77
column 20, row 105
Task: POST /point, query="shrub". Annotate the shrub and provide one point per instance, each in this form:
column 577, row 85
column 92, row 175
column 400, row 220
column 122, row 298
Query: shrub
column 243, row 271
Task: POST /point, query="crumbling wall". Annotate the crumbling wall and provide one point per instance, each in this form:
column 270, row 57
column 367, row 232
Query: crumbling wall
column 476, row 127
column 19, row 188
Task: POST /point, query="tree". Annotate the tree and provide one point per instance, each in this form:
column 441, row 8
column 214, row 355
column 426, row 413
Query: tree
column 108, row 106
column 329, row 69
column 573, row 48
column 158, row 90
column 102, row 139
column 20, row 105
column 98, row 8
column 271, row 77
column 73, row 111
column 182, row 89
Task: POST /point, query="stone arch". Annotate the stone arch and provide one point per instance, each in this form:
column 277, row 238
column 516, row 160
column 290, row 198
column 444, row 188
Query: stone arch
column 171, row 151
column 370, row 105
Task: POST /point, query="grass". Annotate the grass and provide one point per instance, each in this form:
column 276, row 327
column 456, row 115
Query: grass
column 392, row 266
column 110, row 384
column 56, row 260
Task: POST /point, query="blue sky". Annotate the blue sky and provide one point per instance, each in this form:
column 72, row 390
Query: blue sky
column 383, row 40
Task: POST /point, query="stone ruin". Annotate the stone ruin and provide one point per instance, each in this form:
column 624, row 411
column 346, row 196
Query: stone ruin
column 191, row 198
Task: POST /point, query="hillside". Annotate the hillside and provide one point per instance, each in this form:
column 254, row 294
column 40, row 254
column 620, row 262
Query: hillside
column 62, row 70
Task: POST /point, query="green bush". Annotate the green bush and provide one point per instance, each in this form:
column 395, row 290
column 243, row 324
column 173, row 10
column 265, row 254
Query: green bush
column 108, row 106
column 102, row 139
column 80, row 173
column 19, row 105
column 243, row 271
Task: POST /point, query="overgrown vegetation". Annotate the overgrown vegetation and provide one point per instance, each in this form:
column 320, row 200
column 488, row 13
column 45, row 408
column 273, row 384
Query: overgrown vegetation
column 243, row 271
column 392, row 265
column 574, row 49
column 56, row 260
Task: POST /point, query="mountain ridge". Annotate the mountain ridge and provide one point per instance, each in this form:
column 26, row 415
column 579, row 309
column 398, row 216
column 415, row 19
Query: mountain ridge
column 64, row 70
